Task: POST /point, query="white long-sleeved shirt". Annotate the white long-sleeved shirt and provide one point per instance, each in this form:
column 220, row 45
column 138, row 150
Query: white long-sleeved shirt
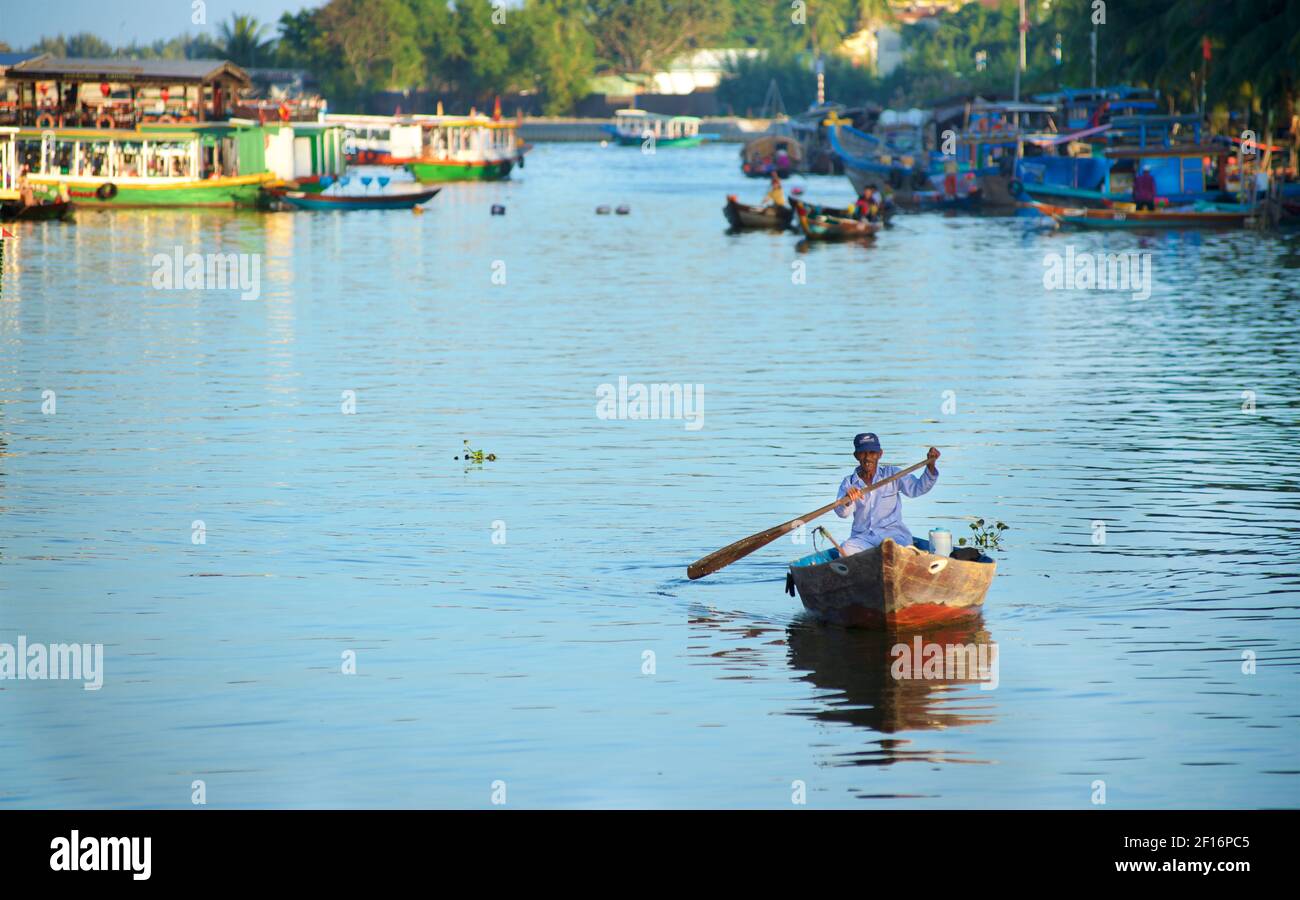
column 879, row 514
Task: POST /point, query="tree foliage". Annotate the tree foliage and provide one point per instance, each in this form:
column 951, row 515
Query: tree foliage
column 244, row 42
column 468, row 50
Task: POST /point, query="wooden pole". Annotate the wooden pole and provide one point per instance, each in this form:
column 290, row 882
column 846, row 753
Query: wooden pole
column 718, row 559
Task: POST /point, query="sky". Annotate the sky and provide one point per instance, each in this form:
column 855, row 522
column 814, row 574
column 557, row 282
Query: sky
column 23, row 22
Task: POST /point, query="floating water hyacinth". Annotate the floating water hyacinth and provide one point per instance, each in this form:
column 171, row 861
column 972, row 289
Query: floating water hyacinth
column 986, row 537
column 476, row 456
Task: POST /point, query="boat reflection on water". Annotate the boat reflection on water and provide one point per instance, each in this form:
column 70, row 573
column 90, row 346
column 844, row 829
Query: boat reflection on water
column 940, row 691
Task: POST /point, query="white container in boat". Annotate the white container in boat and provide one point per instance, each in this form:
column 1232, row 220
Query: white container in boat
column 940, row 541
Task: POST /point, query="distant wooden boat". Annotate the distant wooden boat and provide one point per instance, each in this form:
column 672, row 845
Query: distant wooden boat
column 846, row 212
column 890, row 586
column 1216, row 216
column 762, row 156
column 821, row 226
column 13, row 211
column 744, row 217
column 378, row 200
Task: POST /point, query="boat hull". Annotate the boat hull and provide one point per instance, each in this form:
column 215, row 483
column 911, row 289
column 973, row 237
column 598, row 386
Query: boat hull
column 1114, row 219
column 240, row 190
column 890, row 586
column 13, row 211
column 694, row 140
column 755, row 170
column 428, row 171
column 320, row 201
column 821, row 227
column 744, row 217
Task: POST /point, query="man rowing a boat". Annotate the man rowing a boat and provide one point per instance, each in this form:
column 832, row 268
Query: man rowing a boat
column 878, row 514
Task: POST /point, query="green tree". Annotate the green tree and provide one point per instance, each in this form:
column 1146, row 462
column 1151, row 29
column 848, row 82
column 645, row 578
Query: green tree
column 243, row 42
column 560, row 54
column 374, row 42
column 83, row 45
column 643, row 35
column 481, row 64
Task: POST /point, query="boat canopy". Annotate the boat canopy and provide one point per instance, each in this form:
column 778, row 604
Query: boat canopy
column 639, row 123
column 770, row 145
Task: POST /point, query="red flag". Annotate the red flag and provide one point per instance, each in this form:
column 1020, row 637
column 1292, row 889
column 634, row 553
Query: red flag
column 496, row 110
column 1205, row 48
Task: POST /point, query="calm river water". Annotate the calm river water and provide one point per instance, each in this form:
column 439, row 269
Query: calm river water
column 200, row 496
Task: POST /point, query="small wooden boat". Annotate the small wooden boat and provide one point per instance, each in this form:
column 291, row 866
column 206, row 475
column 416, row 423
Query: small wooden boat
column 744, row 217
column 890, row 586
column 762, row 156
column 822, row 226
column 377, row 200
column 1207, row 216
column 14, row 211
column 846, row 212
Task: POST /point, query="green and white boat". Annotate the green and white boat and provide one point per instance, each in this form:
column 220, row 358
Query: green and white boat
column 200, row 164
column 465, row 148
column 636, row 127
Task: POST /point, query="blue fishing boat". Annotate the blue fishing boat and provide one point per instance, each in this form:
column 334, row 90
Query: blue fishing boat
column 1187, row 167
column 979, row 170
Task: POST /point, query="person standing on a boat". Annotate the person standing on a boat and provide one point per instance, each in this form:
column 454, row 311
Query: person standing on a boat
column 1144, row 190
column 26, row 195
column 879, row 514
column 775, row 195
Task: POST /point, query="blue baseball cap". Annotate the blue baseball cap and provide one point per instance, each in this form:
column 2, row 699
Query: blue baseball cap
column 866, row 443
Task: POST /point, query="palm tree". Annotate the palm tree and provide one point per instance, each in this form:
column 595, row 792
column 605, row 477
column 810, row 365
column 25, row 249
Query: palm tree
column 242, row 41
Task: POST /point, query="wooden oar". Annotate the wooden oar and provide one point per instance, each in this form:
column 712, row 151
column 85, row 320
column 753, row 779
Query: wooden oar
column 826, row 534
column 745, row 546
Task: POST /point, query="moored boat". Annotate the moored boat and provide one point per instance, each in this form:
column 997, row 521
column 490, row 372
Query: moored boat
column 322, row 200
column 51, row 210
column 378, row 140
column 153, row 165
column 636, row 127
column 822, row 226
column 770, row 153
column 435, row 148
column 1200, row 215
column 890, row 586
column 744, row 217
column 466, row 148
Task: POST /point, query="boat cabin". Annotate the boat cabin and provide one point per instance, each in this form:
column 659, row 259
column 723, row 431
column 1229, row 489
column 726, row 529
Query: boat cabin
column 1156, row 131
column 122, row 93
column 638, row 124
column 1088, row 107
column 378, row 139
column 305, row 149
column 472, row 138
column 150, row 153
column 1182, row 173
column 761, row 154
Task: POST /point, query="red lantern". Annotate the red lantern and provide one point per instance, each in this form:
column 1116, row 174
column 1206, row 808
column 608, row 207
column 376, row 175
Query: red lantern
column 44, row 88
column 105, row 89
column 164, row 94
